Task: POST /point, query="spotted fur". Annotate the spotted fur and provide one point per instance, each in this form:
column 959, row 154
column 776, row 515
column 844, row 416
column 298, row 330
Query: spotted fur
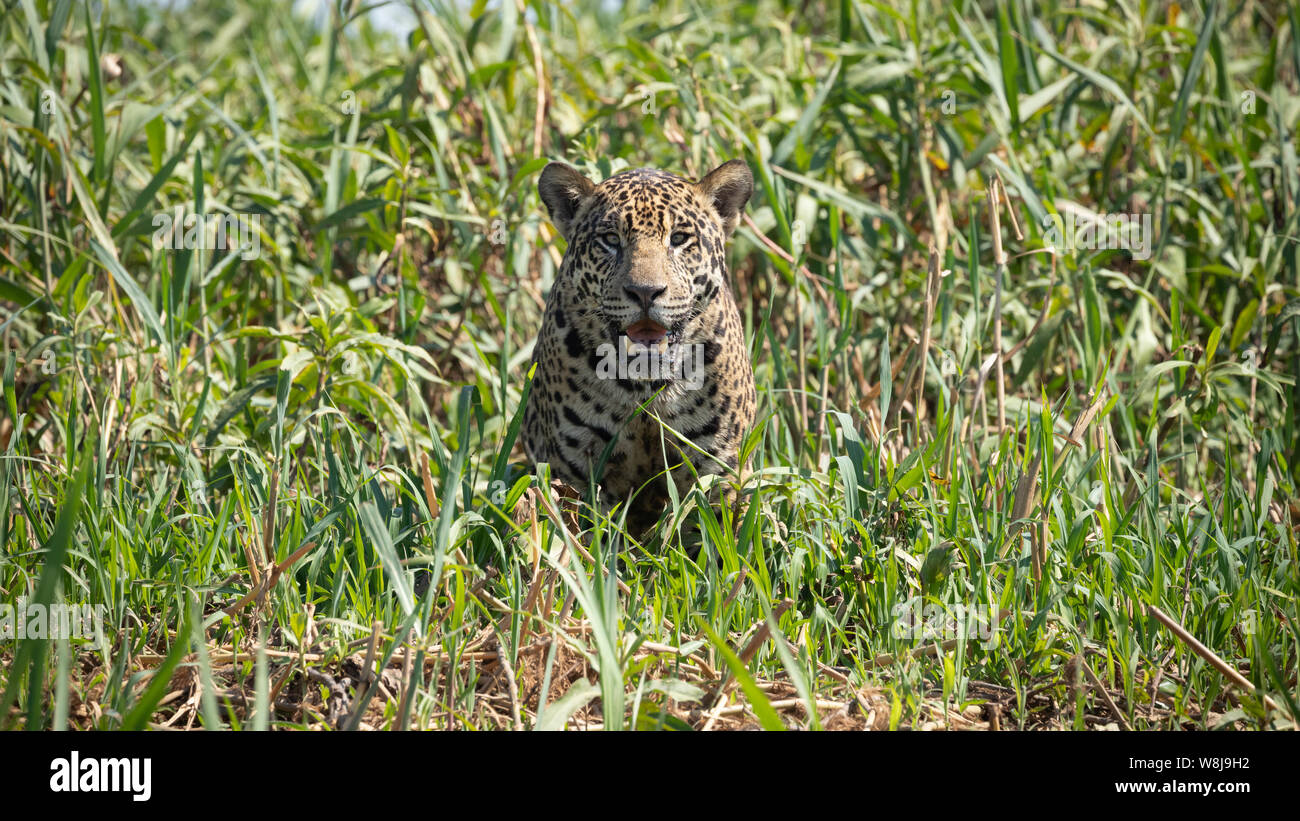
column 642, row 245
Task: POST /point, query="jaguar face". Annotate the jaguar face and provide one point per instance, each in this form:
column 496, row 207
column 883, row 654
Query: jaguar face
column 644, row 269
column 646, row 247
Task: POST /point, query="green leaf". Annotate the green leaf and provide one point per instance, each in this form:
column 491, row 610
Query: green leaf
column 97, row 128
column 758, row 702
column 1212, row 347
column 1245, row 321
column 1010, row 63
column 1103, row 82
column 1192, row 74
column 853, row 205
column 236, row 403
column 349, row 211
column 558, row 713
column 138, row 717
column 124, row 281
column 368, row 513
column 55, row 550
column 804, row 126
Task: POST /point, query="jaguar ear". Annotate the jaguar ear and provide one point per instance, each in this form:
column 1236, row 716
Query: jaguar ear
column 563, row 189
column 728, row 187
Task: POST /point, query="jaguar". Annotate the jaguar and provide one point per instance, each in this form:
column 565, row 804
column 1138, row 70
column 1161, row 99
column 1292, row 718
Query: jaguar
column 642, row 374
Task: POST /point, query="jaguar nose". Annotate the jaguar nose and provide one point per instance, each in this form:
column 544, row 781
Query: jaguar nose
column 645, row 295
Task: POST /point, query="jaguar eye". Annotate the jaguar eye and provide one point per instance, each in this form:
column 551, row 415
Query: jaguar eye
column 679, row 238
column 610, row 240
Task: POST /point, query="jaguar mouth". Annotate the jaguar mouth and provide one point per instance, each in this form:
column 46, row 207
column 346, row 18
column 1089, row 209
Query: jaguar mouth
column 647, row 332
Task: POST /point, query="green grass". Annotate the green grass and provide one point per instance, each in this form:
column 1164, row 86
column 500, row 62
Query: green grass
column 187, row 432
